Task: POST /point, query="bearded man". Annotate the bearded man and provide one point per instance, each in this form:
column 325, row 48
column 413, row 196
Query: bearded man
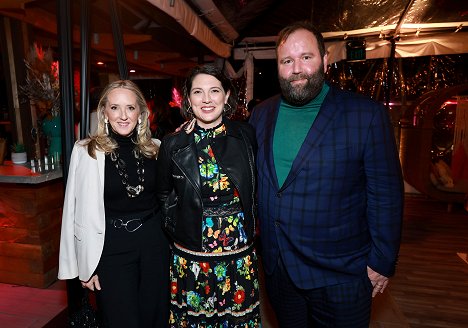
column 330, row 192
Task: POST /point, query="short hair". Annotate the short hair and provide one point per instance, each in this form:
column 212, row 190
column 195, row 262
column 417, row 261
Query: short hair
column 226, row 83
column 301, row 25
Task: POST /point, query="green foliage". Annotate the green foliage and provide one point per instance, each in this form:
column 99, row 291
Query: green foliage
column 18, row 148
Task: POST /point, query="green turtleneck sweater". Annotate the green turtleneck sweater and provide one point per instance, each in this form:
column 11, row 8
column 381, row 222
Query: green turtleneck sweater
column 292, row 127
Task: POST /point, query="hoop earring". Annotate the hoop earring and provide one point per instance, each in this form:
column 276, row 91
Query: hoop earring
column 229, row 108
column 139, row 127
column 106, row 126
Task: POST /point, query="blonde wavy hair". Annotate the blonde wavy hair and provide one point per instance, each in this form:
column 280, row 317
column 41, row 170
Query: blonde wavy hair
column 103, row 142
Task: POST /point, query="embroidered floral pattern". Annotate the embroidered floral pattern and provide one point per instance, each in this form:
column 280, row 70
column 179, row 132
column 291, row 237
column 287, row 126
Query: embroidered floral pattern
column 216, row 293
column 225, row 296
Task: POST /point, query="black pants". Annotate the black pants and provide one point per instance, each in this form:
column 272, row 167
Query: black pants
column 339, row 306
column 134, row 277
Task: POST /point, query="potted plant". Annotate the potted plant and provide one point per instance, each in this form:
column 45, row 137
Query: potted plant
column 18, row 153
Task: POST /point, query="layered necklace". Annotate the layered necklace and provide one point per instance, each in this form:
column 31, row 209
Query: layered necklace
column 121, row 166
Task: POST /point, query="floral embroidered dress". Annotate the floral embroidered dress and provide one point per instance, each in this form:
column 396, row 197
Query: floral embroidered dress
column 218, row 287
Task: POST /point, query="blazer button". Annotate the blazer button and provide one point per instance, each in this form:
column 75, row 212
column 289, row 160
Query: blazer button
column 278, row 195
column 277, row 223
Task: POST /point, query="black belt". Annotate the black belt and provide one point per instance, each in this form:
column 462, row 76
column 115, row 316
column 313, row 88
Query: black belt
column 130, row 224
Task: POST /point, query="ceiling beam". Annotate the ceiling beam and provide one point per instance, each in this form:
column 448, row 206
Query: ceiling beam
column 190, row 21
column 142, row 50
column 45, row 21
column 209, row 10
column 402, row 18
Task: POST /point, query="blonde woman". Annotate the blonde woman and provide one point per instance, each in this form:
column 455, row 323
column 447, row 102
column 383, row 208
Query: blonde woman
column 111, row 233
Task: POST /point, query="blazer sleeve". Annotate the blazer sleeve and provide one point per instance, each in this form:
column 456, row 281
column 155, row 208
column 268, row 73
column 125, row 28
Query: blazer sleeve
column 157, row 142
column 68, row 262
column 384, row 194
column 250, row 131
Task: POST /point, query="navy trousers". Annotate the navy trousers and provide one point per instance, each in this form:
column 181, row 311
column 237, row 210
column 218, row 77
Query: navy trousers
column 134, row 276
column 339, row 306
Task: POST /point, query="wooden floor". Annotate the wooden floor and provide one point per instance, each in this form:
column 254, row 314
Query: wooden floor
column 429, row 290
column 431, row 283
column 27, row 307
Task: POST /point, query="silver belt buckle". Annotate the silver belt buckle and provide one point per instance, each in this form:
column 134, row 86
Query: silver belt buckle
column 118, row 223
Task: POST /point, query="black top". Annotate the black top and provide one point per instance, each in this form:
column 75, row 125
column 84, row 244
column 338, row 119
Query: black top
column 116, row 201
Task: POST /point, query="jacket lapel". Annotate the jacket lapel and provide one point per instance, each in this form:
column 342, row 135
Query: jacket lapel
column 325, row 117
column 101, row 159
column 269, row 132
column 185, row 158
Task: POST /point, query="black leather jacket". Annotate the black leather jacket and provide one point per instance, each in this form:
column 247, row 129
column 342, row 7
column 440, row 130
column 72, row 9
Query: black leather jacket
column 178, row 171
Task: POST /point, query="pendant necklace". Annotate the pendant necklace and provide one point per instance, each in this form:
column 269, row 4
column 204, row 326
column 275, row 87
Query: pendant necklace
column 121, row 166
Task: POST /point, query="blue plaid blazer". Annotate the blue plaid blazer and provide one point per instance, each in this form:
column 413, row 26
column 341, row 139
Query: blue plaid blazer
column 340, row 208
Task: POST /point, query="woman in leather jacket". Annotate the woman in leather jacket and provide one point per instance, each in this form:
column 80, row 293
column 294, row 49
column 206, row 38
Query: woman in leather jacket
column 207, row 192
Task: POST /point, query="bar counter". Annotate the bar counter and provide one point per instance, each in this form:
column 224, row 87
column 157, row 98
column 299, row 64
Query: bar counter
column 30, row 218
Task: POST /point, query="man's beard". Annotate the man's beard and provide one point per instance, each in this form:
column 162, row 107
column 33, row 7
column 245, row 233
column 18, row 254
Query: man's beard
column 301, row 95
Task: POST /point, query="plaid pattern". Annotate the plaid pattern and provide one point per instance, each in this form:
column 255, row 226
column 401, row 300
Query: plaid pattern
column 345, row 305
column 340, row 208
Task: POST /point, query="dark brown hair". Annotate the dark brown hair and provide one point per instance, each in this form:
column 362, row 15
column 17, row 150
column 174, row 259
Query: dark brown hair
column 301, row 25
column 216, row 72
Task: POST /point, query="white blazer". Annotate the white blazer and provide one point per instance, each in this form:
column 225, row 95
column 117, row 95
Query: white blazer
column 83, row 217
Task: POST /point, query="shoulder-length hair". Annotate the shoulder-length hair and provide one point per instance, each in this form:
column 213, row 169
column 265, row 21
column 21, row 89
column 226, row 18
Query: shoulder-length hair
column 216, row 72
column 103, row 142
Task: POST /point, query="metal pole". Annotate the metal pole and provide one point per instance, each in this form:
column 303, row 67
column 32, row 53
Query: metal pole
column 390, row 69
column 66, row 81
column 84, row 77
column 64, row 19
column 118, row 41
